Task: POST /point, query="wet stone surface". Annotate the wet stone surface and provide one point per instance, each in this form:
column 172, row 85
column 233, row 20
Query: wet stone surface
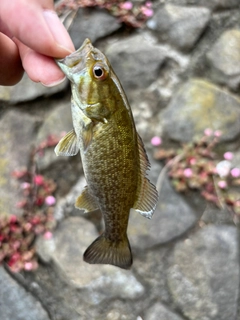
column 181, row 75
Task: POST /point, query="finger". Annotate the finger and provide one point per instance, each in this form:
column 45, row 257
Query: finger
column 11, row 70
column 40, row 68
column 36, row 25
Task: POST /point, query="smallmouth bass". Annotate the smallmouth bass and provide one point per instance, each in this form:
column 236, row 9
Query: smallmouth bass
column 113, row 156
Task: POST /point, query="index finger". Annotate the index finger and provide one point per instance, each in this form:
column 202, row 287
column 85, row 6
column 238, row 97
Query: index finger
column 36, row 24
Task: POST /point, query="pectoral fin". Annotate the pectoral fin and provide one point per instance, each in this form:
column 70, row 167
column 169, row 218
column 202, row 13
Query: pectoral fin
column 86, row 201
column 87, row 135
column 67, row 146
column 147, row 196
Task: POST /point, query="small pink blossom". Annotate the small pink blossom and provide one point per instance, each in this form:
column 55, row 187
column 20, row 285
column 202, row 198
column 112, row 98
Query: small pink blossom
column 28, row 266
column 38, row 180
column 217, row 133
column 148, row 4
column 50, row 200
column 228, row 155
column 127, row 5
column 27, row 226
column 25, row 185
column 16, row 244
column 192, row 161
column 187, row 172
column 208, row 132
column 235, row 172
column 222, row 184
column 13, row 219
column 156, row 141
column 48, row 235
column 147, row 11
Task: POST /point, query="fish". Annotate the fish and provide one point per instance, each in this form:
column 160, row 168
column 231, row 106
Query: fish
column 112, row 153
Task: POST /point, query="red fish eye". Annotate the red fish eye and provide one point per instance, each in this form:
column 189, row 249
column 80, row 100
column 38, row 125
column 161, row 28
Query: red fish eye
column 99, row 72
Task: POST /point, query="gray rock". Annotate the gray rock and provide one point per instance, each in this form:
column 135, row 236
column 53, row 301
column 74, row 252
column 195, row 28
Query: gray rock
column 159, row 311
column 16, row 303
column 136, row 60
column 92, row 24
column 215, row 4
column 152, row 266
column 57, row 122
column 172, row 217
column 224, row 58
column 27, row 90
column 181, row 26
column 99, row 282
column 204, row 276
column 16, row 139
column 198, row 105
column 64, row 170
column 212, row 5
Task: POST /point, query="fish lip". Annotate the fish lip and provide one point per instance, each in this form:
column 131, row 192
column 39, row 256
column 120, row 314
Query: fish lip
column 76, row 61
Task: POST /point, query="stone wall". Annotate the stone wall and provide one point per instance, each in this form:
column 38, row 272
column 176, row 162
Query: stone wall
column 181, row 73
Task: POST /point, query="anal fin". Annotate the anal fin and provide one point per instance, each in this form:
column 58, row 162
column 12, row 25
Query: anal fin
column 67, row 146
column 86, row 201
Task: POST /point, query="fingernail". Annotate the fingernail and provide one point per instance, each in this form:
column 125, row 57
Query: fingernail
column 58, row 30
column 55, row 83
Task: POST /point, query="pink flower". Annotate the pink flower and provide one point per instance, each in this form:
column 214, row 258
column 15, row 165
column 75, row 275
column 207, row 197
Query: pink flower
column 217, row 133
column 38, row 180
column 222, row 184
column 25, row 185
column 235, row 172
column 228, row 155
column 16, row 244
column 28, row 266
column 48, row 235
column 187, row 172
column 127, row 5
column 156, row 141
column 13, row 219
column 148, row 4
column 50, row 200
column 192, row 161
column 208, row 132
column 147, row 11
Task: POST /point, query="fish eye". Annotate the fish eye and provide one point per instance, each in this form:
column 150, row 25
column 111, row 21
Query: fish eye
column 99, row 72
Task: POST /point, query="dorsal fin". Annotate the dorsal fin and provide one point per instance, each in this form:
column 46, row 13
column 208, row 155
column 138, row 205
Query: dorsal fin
column 147, row 196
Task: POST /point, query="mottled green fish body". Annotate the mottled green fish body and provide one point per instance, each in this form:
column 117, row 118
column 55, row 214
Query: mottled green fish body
column 112, row 153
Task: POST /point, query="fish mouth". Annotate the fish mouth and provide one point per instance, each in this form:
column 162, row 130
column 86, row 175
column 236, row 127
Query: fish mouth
column 76, row 61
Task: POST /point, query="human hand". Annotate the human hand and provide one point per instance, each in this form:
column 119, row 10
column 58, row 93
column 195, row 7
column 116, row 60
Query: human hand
column 31, row 35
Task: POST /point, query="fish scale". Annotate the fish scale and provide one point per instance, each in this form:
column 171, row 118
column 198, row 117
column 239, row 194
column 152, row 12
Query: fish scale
column 112, row 153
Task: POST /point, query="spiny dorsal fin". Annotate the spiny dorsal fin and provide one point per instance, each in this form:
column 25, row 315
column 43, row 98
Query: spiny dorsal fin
column 147, row 194
column 86, row 201
column 67, row 146
column 104, row 251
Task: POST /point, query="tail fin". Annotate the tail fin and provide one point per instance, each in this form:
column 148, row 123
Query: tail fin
column 104, row 251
